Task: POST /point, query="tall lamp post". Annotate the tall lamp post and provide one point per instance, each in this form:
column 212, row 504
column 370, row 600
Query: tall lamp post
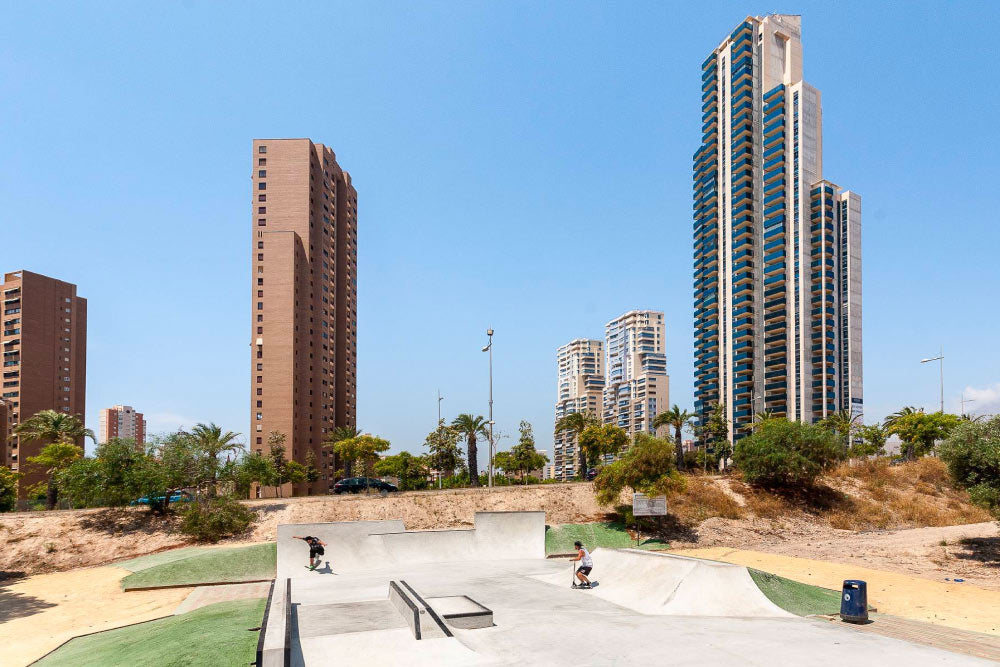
column 939, row 358
column 440, row 398
column 964, row 401
column 489, row 348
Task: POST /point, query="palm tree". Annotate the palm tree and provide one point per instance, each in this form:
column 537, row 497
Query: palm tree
column 578, row 422
column 894, row 418
column 760, row 417
column 339, row 434
column 56, row 428
column 211, row 442
column 471, row 427
column 679, row 419
column 843, row 424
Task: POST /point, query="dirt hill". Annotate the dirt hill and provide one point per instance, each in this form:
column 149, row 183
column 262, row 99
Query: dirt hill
column 713, row 511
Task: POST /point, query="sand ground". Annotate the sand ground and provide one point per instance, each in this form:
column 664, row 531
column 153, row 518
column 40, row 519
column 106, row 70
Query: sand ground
column 39, row 613
column 957, row 605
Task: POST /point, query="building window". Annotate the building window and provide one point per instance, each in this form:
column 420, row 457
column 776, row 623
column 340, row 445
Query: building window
column 259, row 442
column 260, row 367
column 260, row 330
column 261, row 222
column 260, row 318
column 261, row 197
column 260, row 257
column 262, row 209
column 260, row 378
column 262, row 149
column 262, row 186
column 260, row 305
column 261, row 173
column 260, row 416
column 260, row 392
column 260, row 281
column 260, row 294
column 260, row 404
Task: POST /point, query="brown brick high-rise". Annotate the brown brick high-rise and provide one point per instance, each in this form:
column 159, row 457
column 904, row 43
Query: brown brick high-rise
column 43, row 341
column 303, row 359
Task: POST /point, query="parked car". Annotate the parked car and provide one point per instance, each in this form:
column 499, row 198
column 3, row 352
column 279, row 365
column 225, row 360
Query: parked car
column 362, row 484
column 591, row 474
column 175, row 497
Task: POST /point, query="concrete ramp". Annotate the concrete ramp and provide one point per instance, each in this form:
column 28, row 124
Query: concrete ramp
column 668, row 585
column 347, row 545
column 359, row 546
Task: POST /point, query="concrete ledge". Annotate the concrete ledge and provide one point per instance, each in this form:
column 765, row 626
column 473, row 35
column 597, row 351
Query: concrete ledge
column 274, row 648
column 407, row 608
column 461, row 611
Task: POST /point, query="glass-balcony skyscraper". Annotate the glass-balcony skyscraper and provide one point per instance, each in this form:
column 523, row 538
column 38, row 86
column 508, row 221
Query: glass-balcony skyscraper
column 777, row 248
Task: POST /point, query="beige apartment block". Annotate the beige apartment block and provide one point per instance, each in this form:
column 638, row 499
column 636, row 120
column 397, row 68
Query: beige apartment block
column 637, row 386
column 122, row 421
column 303, row 358
column 580, row 370
column 43, row 340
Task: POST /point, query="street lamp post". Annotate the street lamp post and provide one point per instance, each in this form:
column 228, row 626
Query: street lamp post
column 489, row 348
column 939, row 358
column 964, row 401
column 440, row 398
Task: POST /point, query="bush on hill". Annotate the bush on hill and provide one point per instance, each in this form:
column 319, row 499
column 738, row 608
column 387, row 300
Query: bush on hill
column 209, row 520
column 972, row 454
column 784, row 453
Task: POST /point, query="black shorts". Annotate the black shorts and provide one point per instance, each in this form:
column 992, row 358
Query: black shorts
column 316, row 551
column 585, row 569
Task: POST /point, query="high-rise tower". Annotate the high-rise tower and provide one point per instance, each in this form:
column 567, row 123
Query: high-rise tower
column 777, row 249
column 122, row 421
column 580, row 384
column 303, row 359
column 637, row 386
column 44, row 349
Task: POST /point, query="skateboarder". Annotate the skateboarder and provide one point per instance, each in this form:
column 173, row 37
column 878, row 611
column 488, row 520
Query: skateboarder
column 315, row 549
column 586, row 565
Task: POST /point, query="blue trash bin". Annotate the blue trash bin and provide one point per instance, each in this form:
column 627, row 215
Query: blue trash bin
column 854, row 601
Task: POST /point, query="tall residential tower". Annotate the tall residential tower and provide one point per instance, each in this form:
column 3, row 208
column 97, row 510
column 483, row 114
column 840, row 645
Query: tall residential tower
column 637, row 387
column 303, row 339
column 777, row 248
column 44, row 345
column 580, row 384
column 122, row 421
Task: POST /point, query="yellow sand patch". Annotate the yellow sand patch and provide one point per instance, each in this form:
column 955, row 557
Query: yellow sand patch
column 39, row 613
column 945, row 603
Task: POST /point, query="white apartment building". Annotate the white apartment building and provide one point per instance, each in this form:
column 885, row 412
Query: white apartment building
column 777, row 247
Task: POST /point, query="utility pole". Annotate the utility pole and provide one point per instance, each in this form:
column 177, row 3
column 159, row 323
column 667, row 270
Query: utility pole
column 964, row 401
column 489, row 348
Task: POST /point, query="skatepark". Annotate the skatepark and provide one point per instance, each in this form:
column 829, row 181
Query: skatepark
column 489, row 596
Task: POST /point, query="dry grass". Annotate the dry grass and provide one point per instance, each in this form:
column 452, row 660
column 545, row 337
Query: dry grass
column 871, row 495
column 911, row 495
column 703, row 499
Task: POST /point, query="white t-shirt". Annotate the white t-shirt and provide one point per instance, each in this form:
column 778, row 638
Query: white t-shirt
column 586, row 561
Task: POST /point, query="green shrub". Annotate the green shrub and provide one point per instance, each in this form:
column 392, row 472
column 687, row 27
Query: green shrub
column 698, row 460
column 211, row 520
column 784, row 453
column 972, row 454
column 648, row 467
column 8, row 488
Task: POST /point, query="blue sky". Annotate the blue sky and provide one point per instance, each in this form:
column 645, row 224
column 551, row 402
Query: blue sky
column 521, row 165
